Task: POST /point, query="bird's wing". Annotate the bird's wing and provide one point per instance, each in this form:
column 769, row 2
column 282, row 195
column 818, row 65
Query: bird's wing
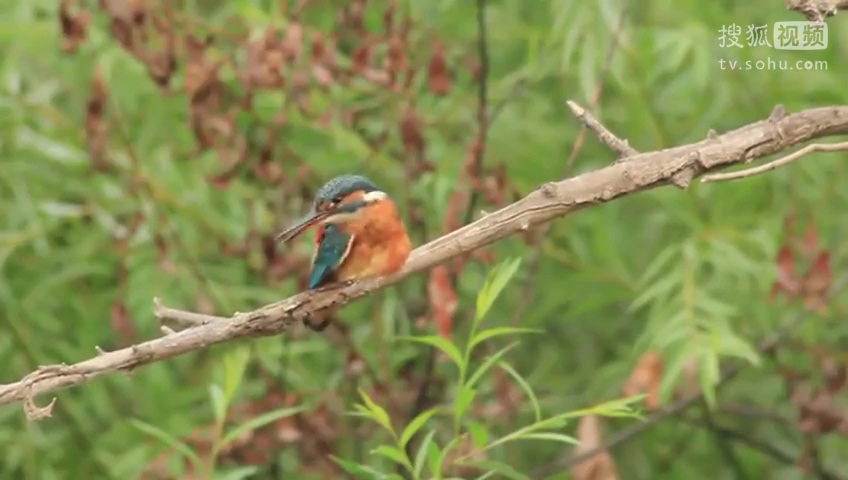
column 331, row 248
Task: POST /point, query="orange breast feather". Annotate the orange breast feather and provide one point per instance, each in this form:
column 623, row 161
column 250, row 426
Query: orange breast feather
column 380, row 244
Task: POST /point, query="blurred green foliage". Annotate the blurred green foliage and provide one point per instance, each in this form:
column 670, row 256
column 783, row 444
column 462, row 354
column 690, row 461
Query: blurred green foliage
column 685, row 273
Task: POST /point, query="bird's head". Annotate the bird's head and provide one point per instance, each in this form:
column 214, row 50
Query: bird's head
column 340, row 200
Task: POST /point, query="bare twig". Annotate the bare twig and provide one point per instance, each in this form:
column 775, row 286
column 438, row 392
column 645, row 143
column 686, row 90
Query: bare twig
column 552, row 200
column 483, row 120
column 617, row 145
column 753, row 412
column 780, row 162
column 724, row 447
column 762, row 446
column 816, row 10
column 185, row 319
column 743, row 437
column 483, row 84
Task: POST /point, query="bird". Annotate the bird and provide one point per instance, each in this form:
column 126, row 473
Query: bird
column 360, row 234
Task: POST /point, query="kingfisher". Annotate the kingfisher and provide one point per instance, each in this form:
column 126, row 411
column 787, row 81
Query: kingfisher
column 359, row 235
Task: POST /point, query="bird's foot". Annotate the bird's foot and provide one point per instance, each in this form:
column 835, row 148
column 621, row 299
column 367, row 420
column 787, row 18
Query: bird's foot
column 316, row 326
column 334, row 286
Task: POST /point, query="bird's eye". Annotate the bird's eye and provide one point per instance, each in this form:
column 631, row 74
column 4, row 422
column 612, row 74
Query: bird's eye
column 337, row 199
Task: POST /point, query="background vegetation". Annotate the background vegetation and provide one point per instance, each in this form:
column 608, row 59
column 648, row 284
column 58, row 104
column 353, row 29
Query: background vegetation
column 155, row 148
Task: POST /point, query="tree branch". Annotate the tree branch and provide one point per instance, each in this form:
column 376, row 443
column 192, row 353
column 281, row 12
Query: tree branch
column 816, row 10
column 677, row 166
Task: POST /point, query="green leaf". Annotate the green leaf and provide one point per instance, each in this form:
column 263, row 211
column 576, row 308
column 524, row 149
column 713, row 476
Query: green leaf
column 361, row 411
column 557, row 437
column 235, row 362
column 239, row 473
column 620, row 407
column 361, row 471
column 414, row 426
column 709, row 373
column 434, row 459
column 486, row 365
column 377, row 412
column 662, row 288
column 392, row 453
column 676, row 362
column 732, row 345
column 528, row 390
column 614, row 408
column 501, row 468
column 259, row 422
column 168, row 440
column 497, row 279
column 498, row 331
column 487, row 475
column 442, row 344
column 478, row 432
column 219, row 403
column 462, row 401
column 418, row 465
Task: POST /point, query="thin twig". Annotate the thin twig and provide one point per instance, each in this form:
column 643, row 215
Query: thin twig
column 483, row 84
column 736, row 435
column 811, row 449
column 671, row 457
column 759, row 445
column 482, row 105
column 816, row 10
column 754, row 412
column 780, row 162
column 722, row 444
column 617, row 145
column 186, row 319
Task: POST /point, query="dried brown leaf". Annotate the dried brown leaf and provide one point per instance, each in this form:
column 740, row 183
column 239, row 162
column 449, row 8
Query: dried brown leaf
column 787, row 282
column 121, row 323
column 809, row 242
column 816, row 282
column 396, row 61
column 645, row 378
column 361, row 58
column 598, row 466
column 74, row 24
column 96, row 127
column 438, row 79
column 411, row 135
column 293, row 39
column 443, row 300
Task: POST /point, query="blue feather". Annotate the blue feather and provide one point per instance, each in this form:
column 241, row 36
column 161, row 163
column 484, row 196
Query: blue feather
column 332, row 248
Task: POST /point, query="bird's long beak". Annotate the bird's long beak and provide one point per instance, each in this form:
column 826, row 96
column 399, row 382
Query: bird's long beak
column 338, row 214
column 304, row 223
